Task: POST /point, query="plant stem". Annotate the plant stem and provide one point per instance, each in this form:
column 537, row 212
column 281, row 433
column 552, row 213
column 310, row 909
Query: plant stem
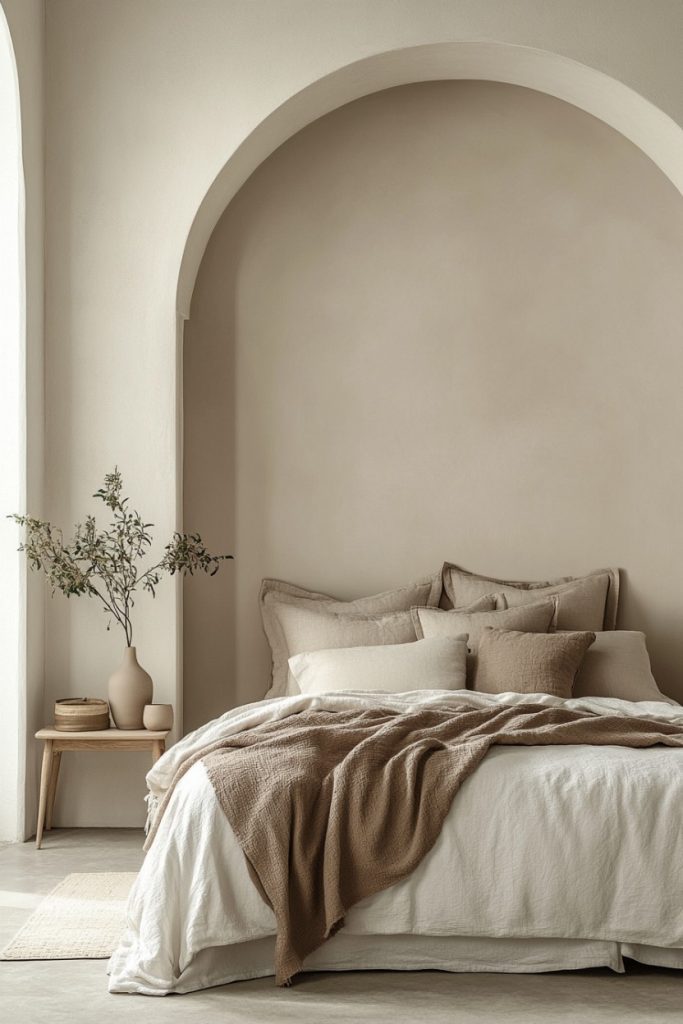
column 112, row 607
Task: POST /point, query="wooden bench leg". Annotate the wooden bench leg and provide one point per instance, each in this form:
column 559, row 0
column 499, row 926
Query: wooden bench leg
column 157, row 750
column 45, row 774
column 52, row 789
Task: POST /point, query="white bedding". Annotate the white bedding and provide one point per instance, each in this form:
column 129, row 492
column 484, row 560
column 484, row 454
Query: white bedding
column 550, row 857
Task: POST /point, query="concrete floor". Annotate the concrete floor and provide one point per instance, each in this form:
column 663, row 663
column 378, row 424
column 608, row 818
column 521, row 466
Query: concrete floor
column 76, row 991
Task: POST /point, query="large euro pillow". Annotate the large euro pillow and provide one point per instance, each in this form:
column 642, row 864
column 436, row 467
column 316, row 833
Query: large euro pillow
column 585, row 602
column 277, row 594
column 436, row 664
column 306, row 629
column 618, row 665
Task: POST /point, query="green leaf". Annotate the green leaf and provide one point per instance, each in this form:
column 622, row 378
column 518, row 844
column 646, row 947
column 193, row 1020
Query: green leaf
column 103, row 563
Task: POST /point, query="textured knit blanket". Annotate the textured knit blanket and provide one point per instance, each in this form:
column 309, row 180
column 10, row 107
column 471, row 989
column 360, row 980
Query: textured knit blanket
column 332, row 807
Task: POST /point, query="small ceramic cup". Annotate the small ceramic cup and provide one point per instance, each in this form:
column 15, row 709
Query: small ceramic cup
column 158, row 717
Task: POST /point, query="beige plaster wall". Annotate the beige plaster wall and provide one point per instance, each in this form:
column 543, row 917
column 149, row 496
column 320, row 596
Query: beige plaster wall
column 26, row 21
column 441, row 322
column 145, row 103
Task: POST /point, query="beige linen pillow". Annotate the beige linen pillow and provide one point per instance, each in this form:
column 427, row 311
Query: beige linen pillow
column 424, row 591
column 307, row 629
column 518, row 662
column 618, row 665
column 586, row 603
column 276, row 593
column 436, row 664
column 534, row 618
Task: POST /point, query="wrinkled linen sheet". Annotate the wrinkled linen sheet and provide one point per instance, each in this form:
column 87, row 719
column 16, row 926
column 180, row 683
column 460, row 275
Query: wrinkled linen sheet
column 579, row 847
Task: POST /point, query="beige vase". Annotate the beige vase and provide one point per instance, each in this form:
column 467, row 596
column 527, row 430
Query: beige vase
column 130, row 688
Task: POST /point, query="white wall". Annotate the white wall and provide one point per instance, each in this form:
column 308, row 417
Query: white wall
column 12, row 618
column 427, row 329
column 25, row 19
column 146, row 102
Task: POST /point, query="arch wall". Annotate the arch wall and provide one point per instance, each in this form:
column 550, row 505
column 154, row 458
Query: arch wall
column 23, row 470
column 12, row 477
column 121, row 204
column 590, row 90
column 439, row 322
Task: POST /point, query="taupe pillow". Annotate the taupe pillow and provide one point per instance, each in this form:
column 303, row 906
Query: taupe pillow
column 618, row 665
column 277, row 593
column 535, row 618
column 519, row 662
column 585, row 603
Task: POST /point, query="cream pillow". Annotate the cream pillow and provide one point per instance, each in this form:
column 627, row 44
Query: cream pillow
column 436, row 664
column 276, row 593
column 618, row 665
column 306, row 629
column 519, row 662
column 585, row 603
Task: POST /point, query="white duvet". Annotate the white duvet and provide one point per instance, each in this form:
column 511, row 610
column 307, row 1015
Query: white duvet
column 575, row 848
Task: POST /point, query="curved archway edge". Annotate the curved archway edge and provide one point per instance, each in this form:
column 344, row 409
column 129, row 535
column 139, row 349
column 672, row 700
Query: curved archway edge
column 644, row 124
column 13, row 594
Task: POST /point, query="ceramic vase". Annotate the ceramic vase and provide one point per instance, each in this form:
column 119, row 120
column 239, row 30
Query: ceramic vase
column 158, row 717
column 130, row 688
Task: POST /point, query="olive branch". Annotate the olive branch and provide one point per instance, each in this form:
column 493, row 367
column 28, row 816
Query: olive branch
column 104, row 563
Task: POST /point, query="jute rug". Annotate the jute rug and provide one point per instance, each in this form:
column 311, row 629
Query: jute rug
column 83, row 918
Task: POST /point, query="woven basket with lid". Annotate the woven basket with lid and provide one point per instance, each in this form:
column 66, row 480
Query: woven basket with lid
column 81, row 714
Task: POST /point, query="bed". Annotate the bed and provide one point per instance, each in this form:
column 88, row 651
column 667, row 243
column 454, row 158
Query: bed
column 551, row 858
column 561, row 855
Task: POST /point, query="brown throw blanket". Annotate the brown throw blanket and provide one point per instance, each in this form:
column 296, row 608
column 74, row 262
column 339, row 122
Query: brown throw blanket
column 331, row 807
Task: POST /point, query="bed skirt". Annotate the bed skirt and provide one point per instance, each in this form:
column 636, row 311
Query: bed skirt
column 220, row 965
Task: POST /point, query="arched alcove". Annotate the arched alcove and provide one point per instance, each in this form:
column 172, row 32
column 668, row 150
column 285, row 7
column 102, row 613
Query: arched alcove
column 587, row 88
column 440, row 322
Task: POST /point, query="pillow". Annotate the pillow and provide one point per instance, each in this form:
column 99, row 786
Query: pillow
column 436, row 664
column 586, row 602
column 618, row 665
column 307, row 629
column 510, row 660
column 276, row 593
column 534, row 618
column 487, row 603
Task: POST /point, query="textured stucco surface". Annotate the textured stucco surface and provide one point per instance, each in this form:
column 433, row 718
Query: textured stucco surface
column 145, row 103
column 440, row 323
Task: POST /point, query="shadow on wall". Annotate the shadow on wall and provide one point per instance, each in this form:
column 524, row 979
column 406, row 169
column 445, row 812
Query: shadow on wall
column 441, row 322
column 209, row 491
